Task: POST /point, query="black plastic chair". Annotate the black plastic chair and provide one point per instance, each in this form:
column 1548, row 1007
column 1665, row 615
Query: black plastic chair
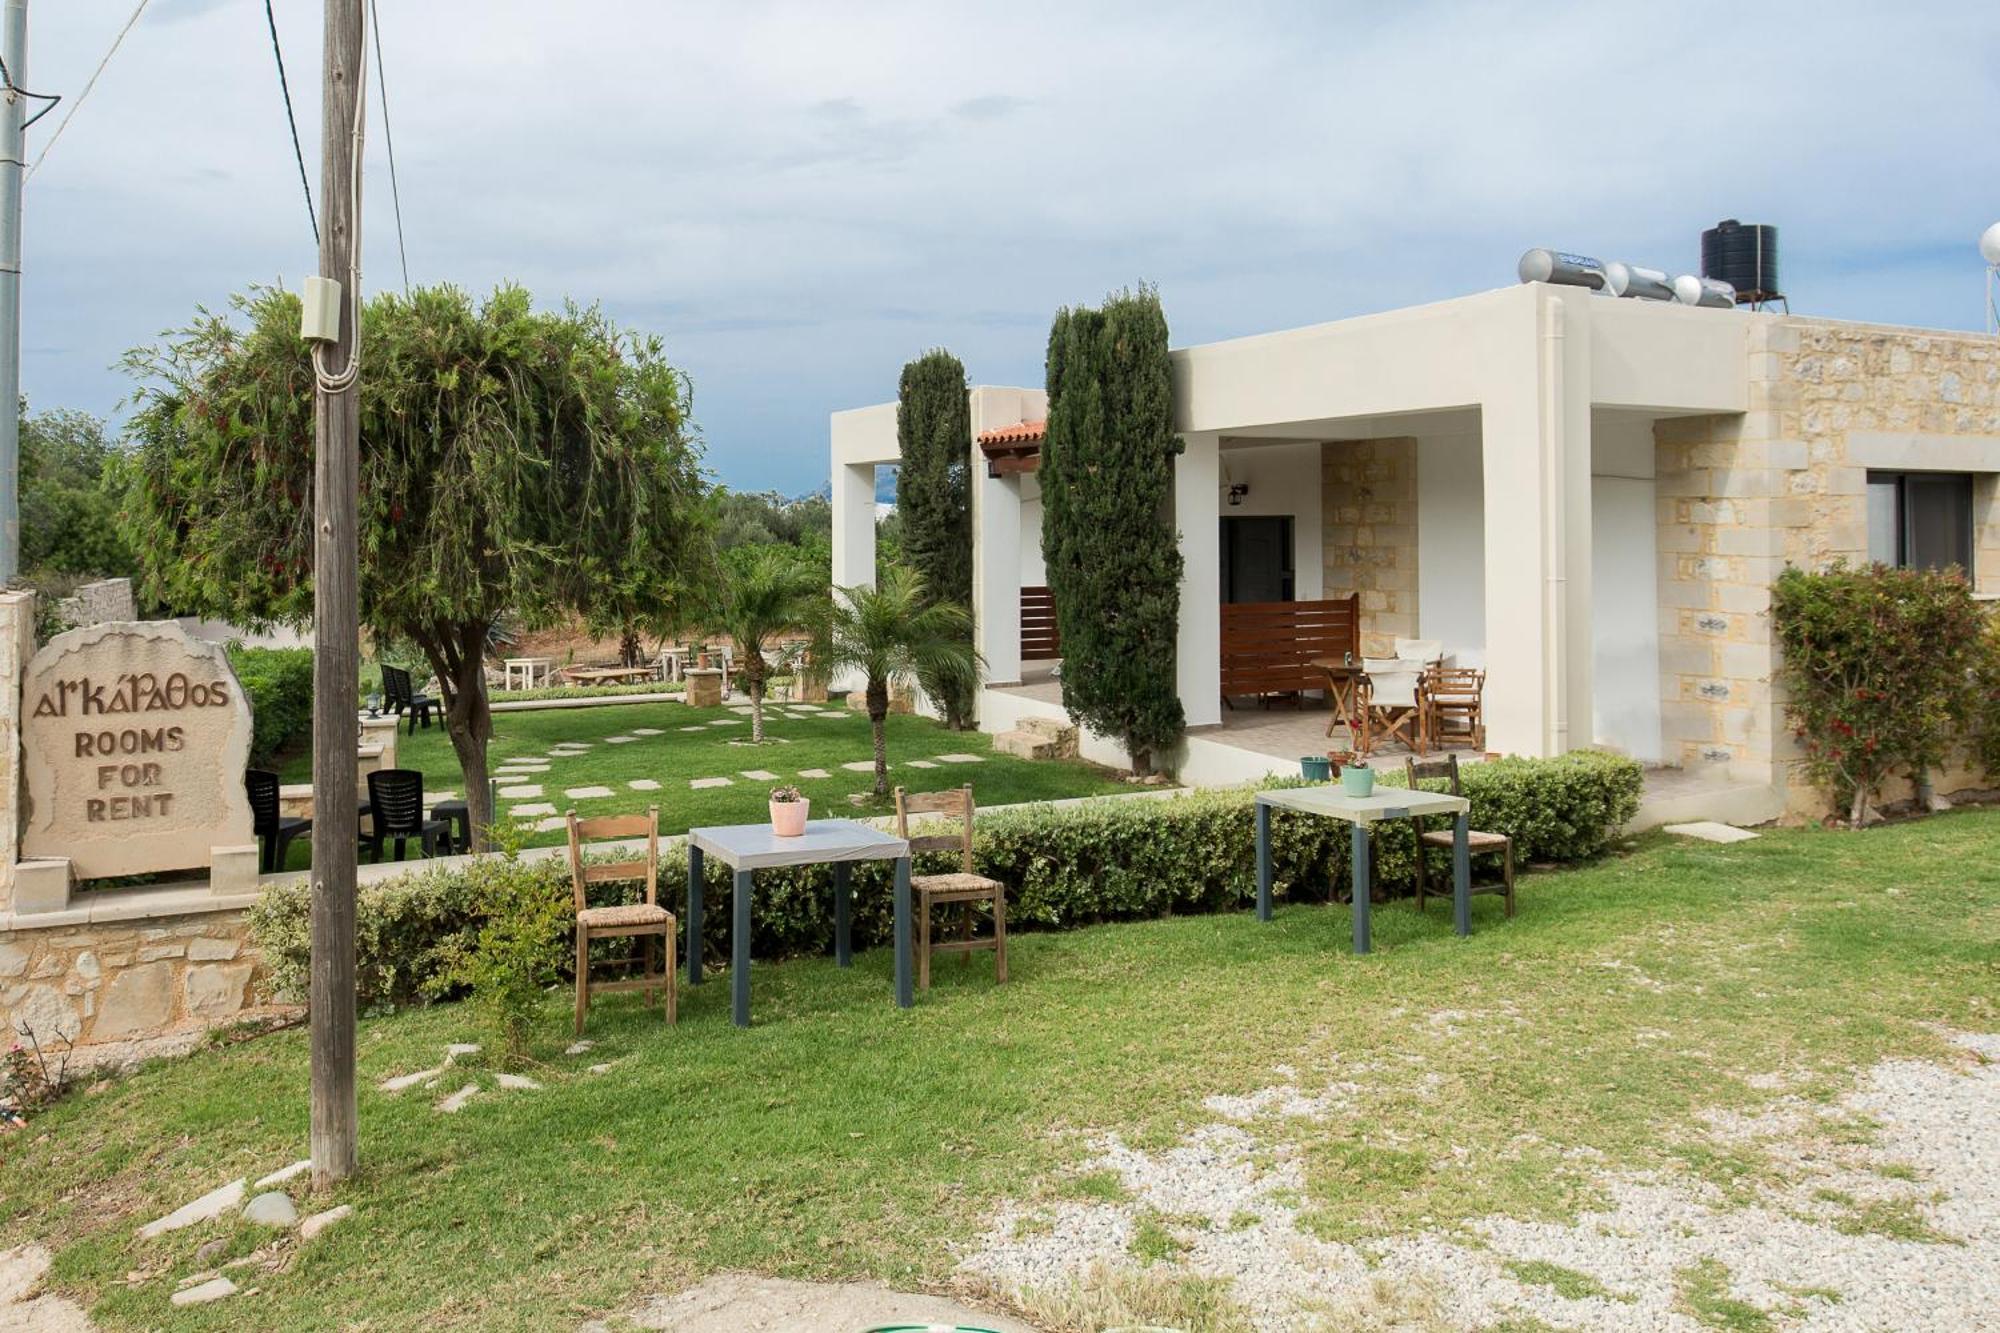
column 396, row 810
column 402, row 698
column 272, row 829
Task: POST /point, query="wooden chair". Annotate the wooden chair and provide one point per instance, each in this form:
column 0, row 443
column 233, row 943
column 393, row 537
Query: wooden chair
column 958, row 886
column 651, row 924
column 1453, row 698
column 1391, row 705
column 1482, row 844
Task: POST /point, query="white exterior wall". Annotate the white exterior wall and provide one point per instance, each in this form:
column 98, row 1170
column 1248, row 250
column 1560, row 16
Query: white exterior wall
column 1034, row 574
column 1625, row 594
column 1451, row 546
column 1001, row 537
column 1284, row 480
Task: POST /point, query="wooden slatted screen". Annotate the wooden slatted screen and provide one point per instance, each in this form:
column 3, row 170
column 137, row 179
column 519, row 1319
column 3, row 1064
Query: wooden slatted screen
column 1268, row 647
column 1040, row 640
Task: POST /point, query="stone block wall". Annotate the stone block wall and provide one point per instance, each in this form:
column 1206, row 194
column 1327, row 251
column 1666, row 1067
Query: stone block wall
column 100, row 603
column 1369, row 504
column 1741, row 497
column 119, row 981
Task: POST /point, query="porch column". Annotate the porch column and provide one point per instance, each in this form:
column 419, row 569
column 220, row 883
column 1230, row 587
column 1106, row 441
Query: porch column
column 1535, row 450
column 853, row 525
column 1198, row 648
column 996, row 572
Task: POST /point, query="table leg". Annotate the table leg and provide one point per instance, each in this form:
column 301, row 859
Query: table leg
column 843, row 950
column 1359, row 866
column 739, row 952
column 1263, row 862
column 694, row 915
column 904, row 996
column 1461, row 874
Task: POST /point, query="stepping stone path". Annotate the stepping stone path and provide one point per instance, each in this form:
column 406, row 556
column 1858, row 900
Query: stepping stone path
column 696, row 727
column 960, row 759
column 921, row 763
column 517, row 1083
column 548, row 825
column 578, row 1047
column 643, row 784
column 647, row 731
column 455, row 1103
column 319, row 1222
column 862, row 766
column 727, row 722
column 760, row 775
column 210, row 1205
column 272, row 1209
column 619, row 740
column 1709, row 831
column 817, row 772
column 520, row 793
column 283, row 1174
column 742, row 710
column 703, row 784
column 528, row 811
column 401, row 1081
column 212, row 1290
column 586, row 793
column 458, row 1048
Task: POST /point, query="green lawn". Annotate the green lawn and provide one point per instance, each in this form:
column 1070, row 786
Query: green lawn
column 720, row 748
column 841, row 1137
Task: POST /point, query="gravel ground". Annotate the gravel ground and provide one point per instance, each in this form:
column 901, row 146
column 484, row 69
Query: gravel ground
column 1933, row 1164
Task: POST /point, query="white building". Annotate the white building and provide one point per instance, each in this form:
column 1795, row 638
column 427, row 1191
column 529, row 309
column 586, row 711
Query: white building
column 1588, row 497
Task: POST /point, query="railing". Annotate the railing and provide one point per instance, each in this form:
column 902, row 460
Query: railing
column 1040, row 639
column 1270, row 647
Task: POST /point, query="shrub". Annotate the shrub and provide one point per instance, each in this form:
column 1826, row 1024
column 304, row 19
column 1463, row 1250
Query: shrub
column 279, row 682
column 516, row 951
column 1986, row 703
column 1877, row 667
column 1065, row 866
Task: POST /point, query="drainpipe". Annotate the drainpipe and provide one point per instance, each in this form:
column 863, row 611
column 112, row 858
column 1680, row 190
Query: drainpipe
column 1555, row 554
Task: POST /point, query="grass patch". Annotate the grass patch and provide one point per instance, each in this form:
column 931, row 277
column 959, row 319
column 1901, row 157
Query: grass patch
column 1704, row 1295
column 1567, row 1283
column 1118, row 1298
column 1103, row 1186
column 1153, row 1242
column 842, row 1138
column 1899, row 1219
column 674, row 758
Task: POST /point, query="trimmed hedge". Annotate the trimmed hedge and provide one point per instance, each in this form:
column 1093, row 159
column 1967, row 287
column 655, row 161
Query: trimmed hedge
column 279, row 682
column 1065, row 866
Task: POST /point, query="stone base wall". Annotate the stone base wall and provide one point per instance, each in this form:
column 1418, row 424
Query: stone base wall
column 1741, row 497
column 117, row 981
column 99, row 603
column 1369, row 503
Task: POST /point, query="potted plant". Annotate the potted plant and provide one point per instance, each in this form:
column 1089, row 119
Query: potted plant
column 1356, row 778
column 788, row 812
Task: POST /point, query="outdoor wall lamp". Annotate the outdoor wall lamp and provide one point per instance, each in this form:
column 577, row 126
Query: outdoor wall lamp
column 1237, row 492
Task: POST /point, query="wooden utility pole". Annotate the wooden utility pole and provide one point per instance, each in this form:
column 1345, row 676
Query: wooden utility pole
column 336, row 609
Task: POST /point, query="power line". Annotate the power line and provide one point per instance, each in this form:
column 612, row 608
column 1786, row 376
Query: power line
column 77, row 105
column 388, row 140
column 7, row 81
column 312, row 214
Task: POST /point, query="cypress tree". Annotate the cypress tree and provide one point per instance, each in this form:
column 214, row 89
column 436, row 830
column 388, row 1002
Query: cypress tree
column 1114, row 563
column 934, row 497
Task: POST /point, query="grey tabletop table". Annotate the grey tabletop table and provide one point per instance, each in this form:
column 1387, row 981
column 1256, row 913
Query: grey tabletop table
column 1361, row 812
column 747, row 848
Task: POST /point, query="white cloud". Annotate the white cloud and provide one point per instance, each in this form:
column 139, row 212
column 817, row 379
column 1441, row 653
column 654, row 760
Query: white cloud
column 800, row 196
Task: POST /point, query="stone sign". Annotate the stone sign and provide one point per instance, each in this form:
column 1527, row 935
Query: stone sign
column 134, row 739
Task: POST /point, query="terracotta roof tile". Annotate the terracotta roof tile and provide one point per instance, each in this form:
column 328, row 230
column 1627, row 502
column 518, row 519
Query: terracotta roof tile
column 1027, row 432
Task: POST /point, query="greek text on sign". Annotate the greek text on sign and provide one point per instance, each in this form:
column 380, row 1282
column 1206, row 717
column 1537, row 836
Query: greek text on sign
column 135, row 737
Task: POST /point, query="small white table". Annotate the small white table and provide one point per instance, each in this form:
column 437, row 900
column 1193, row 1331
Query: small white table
column 746, row 848
column 1362, row 811
column 527, row 667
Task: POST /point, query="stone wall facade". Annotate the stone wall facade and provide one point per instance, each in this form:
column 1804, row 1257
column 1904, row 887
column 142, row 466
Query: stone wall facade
column 1369, row 503
column 1741, row 497
column 100, row 603
column 118, row 981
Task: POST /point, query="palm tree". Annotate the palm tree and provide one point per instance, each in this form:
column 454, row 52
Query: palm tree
column 763, row 594
column 891, row 634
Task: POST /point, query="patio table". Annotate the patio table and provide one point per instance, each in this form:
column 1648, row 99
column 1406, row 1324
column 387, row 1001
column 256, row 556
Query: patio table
column 747, row 848
column 1361, row 812
column 527, row 668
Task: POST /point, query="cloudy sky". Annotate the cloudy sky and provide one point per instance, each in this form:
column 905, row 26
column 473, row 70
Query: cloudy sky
column 800, row 196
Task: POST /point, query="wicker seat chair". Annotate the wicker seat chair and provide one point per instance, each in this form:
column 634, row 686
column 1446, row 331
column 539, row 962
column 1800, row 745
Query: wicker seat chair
column 1482, row 844
column 961, row 886
column 651, row 925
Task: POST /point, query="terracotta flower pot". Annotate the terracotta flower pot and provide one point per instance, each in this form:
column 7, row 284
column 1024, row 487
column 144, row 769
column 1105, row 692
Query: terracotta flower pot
column 788, row 818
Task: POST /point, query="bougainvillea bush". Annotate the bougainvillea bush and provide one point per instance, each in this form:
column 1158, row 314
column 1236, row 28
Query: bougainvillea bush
column 1878, row 666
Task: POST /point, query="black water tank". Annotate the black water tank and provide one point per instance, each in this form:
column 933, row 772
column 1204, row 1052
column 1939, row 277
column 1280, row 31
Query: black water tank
column 1744, row 255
